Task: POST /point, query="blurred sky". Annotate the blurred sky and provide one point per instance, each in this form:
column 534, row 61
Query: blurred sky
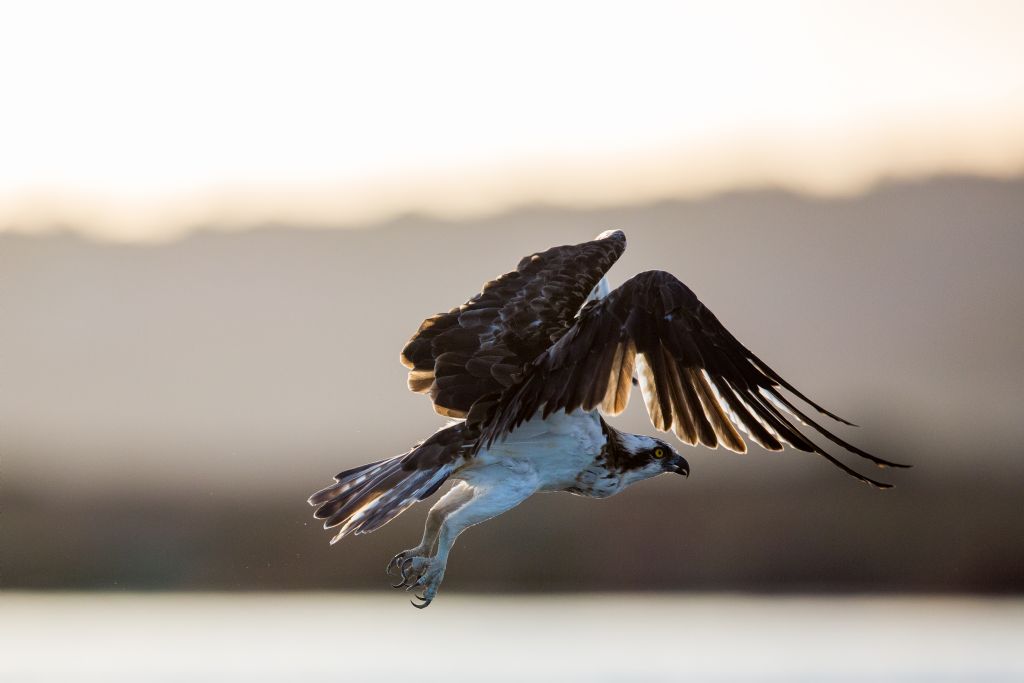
column 842, row 183
column 138, row 121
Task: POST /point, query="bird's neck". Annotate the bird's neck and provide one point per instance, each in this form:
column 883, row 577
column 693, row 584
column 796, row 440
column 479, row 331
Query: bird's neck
column 618, row 452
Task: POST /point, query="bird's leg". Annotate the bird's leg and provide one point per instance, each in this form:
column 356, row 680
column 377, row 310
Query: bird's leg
column 484, row 503
column 413, row 560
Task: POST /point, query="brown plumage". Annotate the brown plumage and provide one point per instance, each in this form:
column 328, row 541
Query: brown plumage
column 527, row 349
column 519, row 347
column 698, row 381
column 523, row 346
column 483, row 346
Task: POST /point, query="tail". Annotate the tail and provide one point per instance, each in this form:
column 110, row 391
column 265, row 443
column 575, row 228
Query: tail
column 366, row 498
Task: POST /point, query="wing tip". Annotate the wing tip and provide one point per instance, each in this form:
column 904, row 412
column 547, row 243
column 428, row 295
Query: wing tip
column 827, row 413
column 740, row 448
column 886, row 464
column 612, row 233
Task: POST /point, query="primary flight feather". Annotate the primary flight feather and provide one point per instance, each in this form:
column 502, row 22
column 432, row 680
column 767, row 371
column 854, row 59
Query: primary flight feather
column 527, row 367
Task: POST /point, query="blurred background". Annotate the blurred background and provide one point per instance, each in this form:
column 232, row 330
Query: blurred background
column 220, row 222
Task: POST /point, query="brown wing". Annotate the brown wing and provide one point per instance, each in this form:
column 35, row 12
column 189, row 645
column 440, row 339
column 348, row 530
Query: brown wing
column 482, row 347
column 696, row 378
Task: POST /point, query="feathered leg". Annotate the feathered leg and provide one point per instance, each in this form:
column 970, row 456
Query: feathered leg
column 414, row 559
column 486, row 497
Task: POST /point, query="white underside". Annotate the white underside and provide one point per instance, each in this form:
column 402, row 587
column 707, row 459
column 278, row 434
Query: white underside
column 550, row 452
column 541, row 455
column 556, row 454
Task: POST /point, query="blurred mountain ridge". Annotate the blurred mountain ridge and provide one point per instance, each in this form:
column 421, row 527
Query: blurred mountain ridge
column 158, row 398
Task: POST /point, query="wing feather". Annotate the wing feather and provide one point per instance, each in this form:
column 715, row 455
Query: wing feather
column 649, row 390
column 620, row 379
column 684, row 422
column 597, row 389
column 481, row 348
column 697, row 380
column 716, row 414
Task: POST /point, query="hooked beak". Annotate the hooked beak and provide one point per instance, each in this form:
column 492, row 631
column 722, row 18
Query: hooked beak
column 680, row 466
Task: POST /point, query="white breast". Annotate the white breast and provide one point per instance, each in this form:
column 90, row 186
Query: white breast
column 557, row 449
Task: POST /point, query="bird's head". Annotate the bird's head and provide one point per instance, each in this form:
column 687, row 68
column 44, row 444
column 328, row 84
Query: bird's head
column 645, row 457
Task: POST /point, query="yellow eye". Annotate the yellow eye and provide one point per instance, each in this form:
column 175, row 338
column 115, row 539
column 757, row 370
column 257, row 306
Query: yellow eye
column 659, row 452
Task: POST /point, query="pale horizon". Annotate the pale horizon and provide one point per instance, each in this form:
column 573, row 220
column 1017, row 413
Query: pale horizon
column 143, row 123
column 221, row 222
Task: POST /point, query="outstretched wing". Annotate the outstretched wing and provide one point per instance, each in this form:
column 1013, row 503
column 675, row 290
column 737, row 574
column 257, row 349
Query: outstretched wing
column 696, row 378
column 482, row 347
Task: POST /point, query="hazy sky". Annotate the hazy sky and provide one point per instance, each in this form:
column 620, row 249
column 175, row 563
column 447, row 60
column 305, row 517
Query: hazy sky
column 139, row 120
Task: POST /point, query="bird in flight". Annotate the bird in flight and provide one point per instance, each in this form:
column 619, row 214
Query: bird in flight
column 529, row 368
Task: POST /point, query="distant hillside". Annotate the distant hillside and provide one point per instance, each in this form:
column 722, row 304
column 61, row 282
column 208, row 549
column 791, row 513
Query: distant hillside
column 234, row 373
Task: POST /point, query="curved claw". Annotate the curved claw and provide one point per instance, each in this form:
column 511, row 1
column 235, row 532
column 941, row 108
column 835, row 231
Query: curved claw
column 395, row 563
column 408, row 582
column 403, row 569
column 424, row 600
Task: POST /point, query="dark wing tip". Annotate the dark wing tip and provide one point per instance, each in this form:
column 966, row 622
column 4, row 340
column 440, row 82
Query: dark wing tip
column 897, row 465
column 863, row 478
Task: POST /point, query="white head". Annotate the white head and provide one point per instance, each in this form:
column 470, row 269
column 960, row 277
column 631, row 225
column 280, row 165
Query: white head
column 641, row 457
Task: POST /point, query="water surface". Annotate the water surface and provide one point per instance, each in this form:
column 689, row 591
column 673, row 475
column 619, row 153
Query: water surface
column 379, row 637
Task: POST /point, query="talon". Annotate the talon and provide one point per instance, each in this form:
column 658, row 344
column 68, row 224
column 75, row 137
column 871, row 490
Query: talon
column 402, row 569
column 426, row 602
column 396, row 561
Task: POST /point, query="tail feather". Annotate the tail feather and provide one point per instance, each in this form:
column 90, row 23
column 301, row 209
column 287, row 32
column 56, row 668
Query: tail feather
column 344, row 481
column 366, row 498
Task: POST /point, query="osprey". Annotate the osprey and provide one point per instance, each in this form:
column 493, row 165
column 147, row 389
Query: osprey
column 528, row 368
